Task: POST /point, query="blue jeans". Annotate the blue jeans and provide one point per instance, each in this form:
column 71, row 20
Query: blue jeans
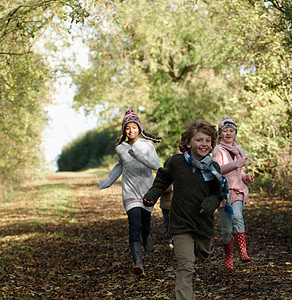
column 231, row 224
column 139, row 224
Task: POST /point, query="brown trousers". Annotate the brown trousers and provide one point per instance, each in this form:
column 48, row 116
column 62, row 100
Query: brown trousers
column 186, row 248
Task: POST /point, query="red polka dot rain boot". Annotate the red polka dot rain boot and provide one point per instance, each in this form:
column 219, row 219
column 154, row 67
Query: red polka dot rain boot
column 228, row 256
column 241, row 245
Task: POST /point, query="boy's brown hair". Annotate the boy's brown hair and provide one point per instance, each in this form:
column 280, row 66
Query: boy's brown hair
column 194, row 126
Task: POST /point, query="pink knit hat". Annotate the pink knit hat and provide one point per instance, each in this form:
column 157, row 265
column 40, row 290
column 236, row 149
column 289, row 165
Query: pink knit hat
column 226, row 122
column 131, row 117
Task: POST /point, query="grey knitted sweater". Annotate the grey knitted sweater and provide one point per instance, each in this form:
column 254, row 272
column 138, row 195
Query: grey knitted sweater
column 191, row 193
column 135, row 164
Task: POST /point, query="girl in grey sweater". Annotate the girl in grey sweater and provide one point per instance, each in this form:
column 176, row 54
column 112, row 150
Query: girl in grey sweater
column 137, row 159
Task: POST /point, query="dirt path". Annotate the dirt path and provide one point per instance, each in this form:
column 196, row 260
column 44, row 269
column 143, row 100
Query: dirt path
column 86, row 256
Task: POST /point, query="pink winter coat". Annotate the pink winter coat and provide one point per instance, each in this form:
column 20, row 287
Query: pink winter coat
column 233, row 171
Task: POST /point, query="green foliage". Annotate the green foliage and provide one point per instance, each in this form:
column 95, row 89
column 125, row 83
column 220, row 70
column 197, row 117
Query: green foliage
column 89, row 150
column 22, row 96
column 25, row 83
column 199, row 59
column 265, row 97
column 22, row 20
column 282, row 21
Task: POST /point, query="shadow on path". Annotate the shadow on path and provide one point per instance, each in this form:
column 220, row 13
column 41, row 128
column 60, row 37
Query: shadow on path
column 88, row 257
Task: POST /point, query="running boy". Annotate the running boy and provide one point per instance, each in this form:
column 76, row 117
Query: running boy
column 196, row 190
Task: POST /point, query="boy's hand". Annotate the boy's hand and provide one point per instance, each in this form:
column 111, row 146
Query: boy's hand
column 148, row 203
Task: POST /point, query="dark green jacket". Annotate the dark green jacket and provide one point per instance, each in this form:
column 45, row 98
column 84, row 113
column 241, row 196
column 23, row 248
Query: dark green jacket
column 191, row 193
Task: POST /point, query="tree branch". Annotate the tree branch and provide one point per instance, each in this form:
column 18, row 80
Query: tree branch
column 185, row 70
column 11, row 53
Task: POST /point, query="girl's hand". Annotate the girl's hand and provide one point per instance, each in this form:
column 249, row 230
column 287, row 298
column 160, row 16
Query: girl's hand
column 202, row 210
column 248, row 179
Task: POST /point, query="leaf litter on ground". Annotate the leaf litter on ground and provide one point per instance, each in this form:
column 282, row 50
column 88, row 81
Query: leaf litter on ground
column 64, row 239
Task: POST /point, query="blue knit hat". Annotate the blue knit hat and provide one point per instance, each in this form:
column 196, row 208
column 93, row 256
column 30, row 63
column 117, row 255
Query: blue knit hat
column 226, row 122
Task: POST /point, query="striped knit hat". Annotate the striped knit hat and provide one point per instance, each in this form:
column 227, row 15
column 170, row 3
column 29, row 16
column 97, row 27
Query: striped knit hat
column 131, row 117
column 226, row 122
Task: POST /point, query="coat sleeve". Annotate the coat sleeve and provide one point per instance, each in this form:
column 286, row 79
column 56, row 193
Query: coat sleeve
column 162, row 181
column 232, row 166
column 150, row 160
column 226, row 168
column 112, row 177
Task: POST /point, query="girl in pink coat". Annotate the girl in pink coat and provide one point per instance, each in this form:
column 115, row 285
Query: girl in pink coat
column 231, row 158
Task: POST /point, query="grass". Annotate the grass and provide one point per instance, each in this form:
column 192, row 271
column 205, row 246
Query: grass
column 38, row 203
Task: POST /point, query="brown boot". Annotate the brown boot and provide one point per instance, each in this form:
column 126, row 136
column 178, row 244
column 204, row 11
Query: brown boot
column 241, row 246
column 228, row 256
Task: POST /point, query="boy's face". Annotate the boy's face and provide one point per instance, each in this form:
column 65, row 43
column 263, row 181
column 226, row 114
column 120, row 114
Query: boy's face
column 200, row 145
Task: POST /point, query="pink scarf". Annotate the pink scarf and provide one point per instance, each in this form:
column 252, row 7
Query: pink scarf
column 234, row 148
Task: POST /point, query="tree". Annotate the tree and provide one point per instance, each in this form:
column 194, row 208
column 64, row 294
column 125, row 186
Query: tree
column 282, row 20
column 167, row 61
column 25, row 78
column 196, row 59
column 24, row 19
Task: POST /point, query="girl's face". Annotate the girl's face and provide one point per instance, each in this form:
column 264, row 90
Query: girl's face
column 228, row 135
column 200, row 145
column 132, row 132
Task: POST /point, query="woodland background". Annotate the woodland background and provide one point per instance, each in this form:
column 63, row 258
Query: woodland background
column 168, row 60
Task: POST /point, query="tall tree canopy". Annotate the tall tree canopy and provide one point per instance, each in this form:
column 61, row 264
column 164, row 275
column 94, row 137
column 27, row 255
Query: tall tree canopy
column 189, row 59
column 169, row 60
column 25, row 78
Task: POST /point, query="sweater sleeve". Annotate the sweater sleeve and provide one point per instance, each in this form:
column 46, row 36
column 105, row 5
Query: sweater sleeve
column 233, row 165
column 150, row 160
column 113, row 176
column 162, row 181
column 210, row 203
column 226, row 168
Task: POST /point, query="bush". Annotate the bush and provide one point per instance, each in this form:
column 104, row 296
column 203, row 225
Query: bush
column 88, row 150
